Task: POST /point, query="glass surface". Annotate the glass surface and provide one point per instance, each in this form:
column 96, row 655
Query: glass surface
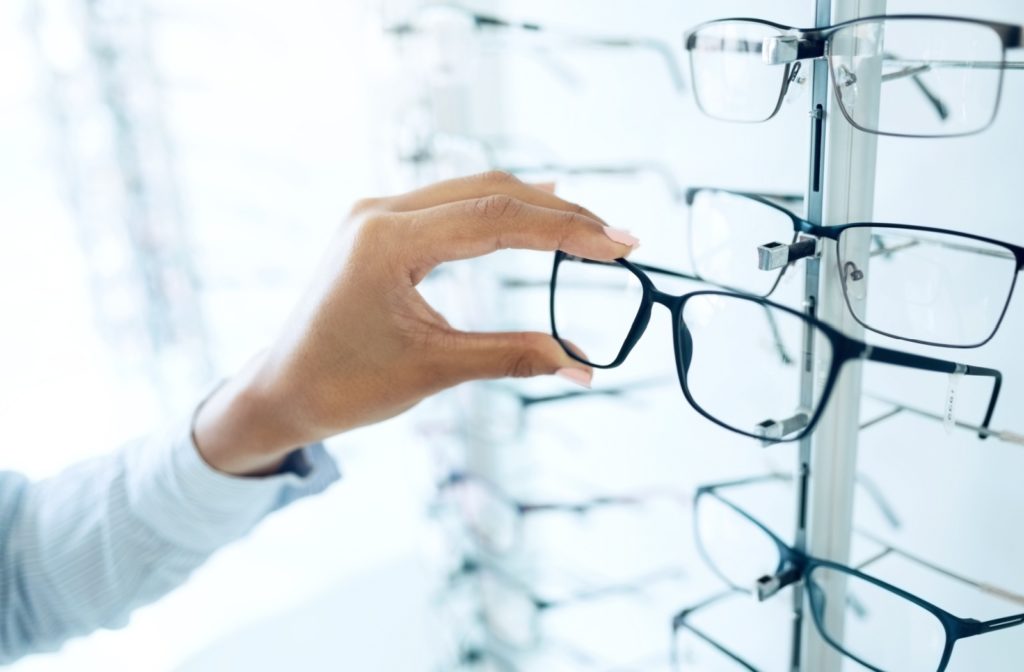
column 736, row 549
column 937, row 77
column 730, row 80
column 737, row 373
column 875, row 625
column 934, row 287
column 725, row 232
column 595, row 306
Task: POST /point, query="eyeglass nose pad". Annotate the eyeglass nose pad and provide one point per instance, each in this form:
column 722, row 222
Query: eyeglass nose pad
column 686, row 346
column 816, row 596
column 795, row 83
column 853, row 281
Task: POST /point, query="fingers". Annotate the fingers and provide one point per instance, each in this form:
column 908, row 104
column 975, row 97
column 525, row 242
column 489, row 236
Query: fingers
column 516, row 355
column 476, row 227
column 481, row 185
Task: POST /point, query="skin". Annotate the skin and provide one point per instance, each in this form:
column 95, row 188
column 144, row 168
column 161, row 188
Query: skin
column 363, row 345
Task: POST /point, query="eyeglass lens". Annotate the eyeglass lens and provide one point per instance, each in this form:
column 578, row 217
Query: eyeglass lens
column 925, row 77
column 725, row 231
column 938, row 288
column 730, row 80
column 858, row 617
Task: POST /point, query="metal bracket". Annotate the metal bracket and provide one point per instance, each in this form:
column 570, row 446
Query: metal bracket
column 772, row 431
column 776, row 255
column 779, row 50
column 769, row 584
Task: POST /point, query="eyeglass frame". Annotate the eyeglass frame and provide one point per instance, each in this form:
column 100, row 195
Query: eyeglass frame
column 797, row 566
column 844, row 348
column 833, row 233
column 484, row 21
column 523, row 508
column 814, row 43
column 478, row 566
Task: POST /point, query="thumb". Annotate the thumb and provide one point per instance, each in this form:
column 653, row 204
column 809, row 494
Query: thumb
column 519, row 355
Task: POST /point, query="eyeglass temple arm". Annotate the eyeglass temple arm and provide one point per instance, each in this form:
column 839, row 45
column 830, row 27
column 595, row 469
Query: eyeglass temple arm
column 913, row 241
column 660, row 48
column 986, row 588
column 616, row 391
column 679, row 622
column 861, row 479
column 940, row 107
column 899, row 407
column 909, row 360
column 793, row 198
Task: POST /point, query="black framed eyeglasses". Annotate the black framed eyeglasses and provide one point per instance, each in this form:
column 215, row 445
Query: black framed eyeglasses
column 922, row 284
column 906, row 75
column 855, row 612
column 726, row 359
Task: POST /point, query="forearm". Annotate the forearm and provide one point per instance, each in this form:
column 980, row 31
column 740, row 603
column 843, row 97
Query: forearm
column 82, row 550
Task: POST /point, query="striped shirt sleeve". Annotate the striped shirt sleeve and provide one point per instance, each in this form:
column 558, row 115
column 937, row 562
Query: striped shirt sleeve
column 81, row 550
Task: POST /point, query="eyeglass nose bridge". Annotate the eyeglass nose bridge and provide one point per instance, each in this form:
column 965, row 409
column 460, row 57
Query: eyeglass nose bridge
column 684, row 340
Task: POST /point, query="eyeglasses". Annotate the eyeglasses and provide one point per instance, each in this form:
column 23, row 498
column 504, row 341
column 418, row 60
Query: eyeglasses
column 856, row 613
column 902, row 75
column 923, row 284
column 495, row 518
column 514, row 611
column 720, row 353
column 454, row 20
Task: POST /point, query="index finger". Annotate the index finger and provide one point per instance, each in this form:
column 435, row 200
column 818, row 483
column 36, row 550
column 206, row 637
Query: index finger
column 476, row 227
column 491, row 183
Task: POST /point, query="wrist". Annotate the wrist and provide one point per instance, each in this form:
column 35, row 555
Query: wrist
column 240, row 429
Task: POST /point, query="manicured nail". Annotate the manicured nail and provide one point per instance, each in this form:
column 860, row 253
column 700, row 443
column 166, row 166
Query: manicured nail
column 544, row 186
column 621, row 236
column 578, row 376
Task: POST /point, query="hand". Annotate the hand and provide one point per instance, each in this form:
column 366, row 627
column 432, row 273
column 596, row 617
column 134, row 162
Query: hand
column 363, row 345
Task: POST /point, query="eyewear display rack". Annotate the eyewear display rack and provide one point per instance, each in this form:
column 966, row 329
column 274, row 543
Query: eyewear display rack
column 840, row 188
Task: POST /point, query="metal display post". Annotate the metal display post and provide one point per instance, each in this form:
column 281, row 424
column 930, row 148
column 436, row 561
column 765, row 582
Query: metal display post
column 840, row 189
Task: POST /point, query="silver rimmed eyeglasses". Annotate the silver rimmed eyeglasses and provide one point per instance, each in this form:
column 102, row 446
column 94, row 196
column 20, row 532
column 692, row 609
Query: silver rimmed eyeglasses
column 907, row 75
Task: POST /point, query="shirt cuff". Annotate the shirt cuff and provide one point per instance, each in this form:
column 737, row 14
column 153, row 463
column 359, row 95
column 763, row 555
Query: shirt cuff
column 194, row 506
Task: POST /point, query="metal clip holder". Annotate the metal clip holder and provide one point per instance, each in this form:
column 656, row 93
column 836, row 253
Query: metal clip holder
column 779, row 50
column 776, row 255
column 772, row 431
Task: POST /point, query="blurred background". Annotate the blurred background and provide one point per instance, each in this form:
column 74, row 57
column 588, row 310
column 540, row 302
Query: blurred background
column 169, row 174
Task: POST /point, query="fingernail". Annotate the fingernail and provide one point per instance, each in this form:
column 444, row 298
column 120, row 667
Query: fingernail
column 578, row 376
column 621, row 236
column 545, row 186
